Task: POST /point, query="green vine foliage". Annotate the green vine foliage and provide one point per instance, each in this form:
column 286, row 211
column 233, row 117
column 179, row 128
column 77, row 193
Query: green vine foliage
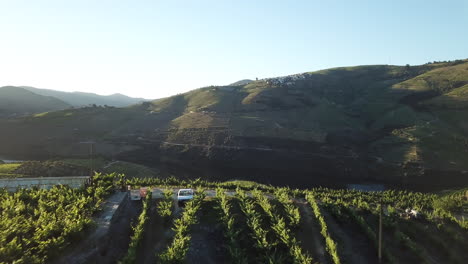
column 138, row 232
column 258, row 233
column 292, row 211
column 279, row 226
column 164, row 207
column 331, row 245
column 177, row 250
column 238, row 255
column 36, row 225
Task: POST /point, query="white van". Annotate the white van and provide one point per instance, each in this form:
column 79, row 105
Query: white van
column 184, row 195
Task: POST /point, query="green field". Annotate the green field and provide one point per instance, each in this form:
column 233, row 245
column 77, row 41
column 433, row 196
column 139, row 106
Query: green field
column 8, row 170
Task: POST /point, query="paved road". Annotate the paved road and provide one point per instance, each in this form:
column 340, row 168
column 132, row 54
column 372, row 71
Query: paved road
column 157, row 193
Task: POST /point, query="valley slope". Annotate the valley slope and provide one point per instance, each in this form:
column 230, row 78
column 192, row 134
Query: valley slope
column 400, row 125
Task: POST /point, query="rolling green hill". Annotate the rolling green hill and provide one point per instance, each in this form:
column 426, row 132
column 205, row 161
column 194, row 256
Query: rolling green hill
column 396, row 124
column 15, row 101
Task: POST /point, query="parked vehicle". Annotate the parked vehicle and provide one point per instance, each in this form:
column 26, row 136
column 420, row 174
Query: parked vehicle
column 184, row 195
column 143, row 192
column 135, row 195
column 138, row 194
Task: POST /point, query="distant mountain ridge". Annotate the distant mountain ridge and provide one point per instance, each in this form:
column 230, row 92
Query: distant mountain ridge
column 78, row 99
column 15, row 101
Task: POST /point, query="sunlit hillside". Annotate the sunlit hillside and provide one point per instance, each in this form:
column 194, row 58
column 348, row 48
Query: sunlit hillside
column 396, row 123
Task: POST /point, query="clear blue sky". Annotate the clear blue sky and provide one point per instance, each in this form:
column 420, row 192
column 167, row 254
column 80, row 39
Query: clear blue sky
column 154, row 48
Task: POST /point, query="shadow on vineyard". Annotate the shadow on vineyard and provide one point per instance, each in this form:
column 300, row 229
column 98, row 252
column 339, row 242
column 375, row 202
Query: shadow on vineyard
column 229, row 222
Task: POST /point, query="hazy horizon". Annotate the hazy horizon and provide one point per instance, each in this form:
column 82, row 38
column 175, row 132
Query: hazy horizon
column 155, row 49
column 189, row 89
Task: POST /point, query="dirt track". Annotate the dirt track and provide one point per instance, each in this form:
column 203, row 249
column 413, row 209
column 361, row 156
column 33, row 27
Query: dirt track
column 206, row 245
column 109, row 240
column 157, row 235
column 309, row 234
column 353, row 245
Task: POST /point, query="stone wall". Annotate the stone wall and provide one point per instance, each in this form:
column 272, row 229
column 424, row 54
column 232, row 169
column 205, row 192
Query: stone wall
column 43, row 182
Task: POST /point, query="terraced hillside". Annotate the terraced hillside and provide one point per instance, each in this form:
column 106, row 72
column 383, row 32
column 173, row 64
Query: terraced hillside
column 397, row 124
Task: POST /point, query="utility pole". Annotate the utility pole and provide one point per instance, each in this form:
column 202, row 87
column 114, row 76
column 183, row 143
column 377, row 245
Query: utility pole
column 91, row 153
column 91, row 148
column 380, row 231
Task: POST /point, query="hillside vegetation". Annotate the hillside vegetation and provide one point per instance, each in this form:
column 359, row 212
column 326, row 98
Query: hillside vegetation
column 388, row 123
column 9, row 170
